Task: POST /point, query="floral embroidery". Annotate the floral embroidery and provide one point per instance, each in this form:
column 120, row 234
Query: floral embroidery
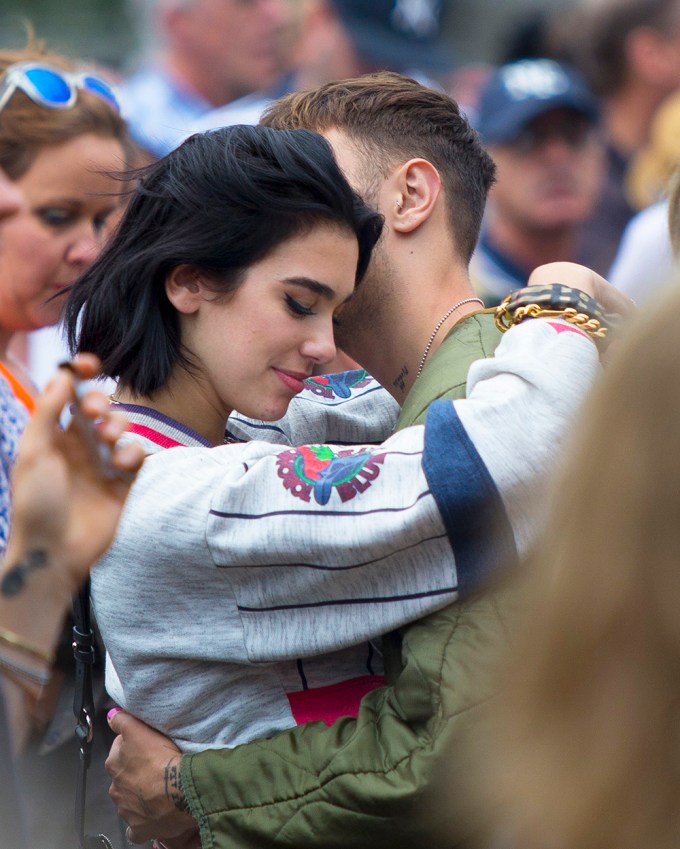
column 338, row 385
column 318, row 469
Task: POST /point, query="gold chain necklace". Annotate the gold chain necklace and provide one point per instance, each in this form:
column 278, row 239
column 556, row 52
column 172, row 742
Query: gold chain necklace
column 439, row 324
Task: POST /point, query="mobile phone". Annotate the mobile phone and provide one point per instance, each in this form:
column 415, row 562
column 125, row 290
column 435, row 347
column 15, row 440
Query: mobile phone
column 100, row 453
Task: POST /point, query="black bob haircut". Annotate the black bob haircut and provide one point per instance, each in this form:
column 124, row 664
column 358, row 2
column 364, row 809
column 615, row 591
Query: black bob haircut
column 220, row 202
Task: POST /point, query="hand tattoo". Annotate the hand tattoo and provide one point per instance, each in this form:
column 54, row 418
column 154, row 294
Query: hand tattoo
column 14, row 581
column 173, row 786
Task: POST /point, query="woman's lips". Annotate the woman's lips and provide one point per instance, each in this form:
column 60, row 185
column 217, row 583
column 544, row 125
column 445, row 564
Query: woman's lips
column 294, row 380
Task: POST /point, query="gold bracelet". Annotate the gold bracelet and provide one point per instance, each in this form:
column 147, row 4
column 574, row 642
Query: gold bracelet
column 31, row 649
column 506, row 319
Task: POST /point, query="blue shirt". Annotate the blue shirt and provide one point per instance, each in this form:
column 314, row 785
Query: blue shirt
column 493, row 274
column 159, row 110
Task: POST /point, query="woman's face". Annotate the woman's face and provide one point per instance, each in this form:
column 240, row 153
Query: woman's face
column 57, row 231
column 256, row 346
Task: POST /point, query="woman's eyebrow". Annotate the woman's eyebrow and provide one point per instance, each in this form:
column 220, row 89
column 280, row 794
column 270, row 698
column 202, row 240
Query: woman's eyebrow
column 313, row 285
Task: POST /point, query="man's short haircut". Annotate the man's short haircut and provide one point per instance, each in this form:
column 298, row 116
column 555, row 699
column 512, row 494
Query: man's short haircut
column 597, row 32
column 392, row 118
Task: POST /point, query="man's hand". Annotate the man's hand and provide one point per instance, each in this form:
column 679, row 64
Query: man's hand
column 146, row 787
column 585, row 279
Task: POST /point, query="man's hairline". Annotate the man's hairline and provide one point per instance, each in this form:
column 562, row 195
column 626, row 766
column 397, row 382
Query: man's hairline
column 386, row 167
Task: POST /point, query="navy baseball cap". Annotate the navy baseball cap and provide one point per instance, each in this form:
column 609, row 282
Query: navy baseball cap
column 398, row 35
column 518, row 92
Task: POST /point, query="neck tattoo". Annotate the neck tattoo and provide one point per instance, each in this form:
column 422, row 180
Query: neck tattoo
column 399, row 380
column 439, row 324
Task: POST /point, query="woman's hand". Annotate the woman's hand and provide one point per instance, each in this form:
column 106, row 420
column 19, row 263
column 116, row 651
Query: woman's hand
column 63, row 503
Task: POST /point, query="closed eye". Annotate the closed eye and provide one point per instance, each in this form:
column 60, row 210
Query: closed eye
column 99, row 221
column 297, row 308
column 55, row 216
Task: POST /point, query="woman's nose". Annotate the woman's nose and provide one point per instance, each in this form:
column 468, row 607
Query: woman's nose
column 84, row 249
column 321, row 346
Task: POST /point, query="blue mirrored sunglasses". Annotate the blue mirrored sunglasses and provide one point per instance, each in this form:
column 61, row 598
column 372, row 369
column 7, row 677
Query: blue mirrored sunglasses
column 52, row 87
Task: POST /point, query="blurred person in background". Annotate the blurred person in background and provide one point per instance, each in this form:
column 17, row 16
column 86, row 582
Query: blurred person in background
column 644, row 261
column 339, row 39
column 10, row 805
column 61, row 136
column 629, row 53
column 539, row 122
column 211, row 52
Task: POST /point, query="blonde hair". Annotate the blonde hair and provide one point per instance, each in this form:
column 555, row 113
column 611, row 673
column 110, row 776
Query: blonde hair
column 650, row 169
column 27, row 127
column 582, row 750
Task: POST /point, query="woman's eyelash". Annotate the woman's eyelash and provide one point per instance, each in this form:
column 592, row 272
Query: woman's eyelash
column 297, row 308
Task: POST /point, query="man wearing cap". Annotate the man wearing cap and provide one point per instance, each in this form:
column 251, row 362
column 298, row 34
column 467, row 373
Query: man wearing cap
column 340, row 39
column 539, row 122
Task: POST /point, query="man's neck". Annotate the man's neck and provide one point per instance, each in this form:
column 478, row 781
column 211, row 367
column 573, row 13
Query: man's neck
column 406, row 330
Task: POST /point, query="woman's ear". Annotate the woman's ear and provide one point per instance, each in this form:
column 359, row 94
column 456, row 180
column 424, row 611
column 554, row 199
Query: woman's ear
column 184, row 289
column 419, row 187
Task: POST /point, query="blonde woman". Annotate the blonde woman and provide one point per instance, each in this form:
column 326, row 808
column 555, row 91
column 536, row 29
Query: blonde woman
column 61, row 136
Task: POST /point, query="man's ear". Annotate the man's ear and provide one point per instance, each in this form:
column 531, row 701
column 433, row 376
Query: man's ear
column 184, row 289
column 418, row 188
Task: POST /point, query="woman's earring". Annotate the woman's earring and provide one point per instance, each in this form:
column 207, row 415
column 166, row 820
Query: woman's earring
column 399, row 205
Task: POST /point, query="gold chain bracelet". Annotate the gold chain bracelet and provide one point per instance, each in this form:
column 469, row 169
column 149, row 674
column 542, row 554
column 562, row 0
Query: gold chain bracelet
column 505, row 319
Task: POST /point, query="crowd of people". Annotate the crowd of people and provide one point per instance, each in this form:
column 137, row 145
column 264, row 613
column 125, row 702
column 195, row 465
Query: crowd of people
column 381, row 549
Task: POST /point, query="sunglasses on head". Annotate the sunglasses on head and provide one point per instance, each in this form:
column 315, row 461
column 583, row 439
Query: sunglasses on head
column 51, row 87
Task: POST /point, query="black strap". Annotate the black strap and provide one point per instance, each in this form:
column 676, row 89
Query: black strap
column 83, row 708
